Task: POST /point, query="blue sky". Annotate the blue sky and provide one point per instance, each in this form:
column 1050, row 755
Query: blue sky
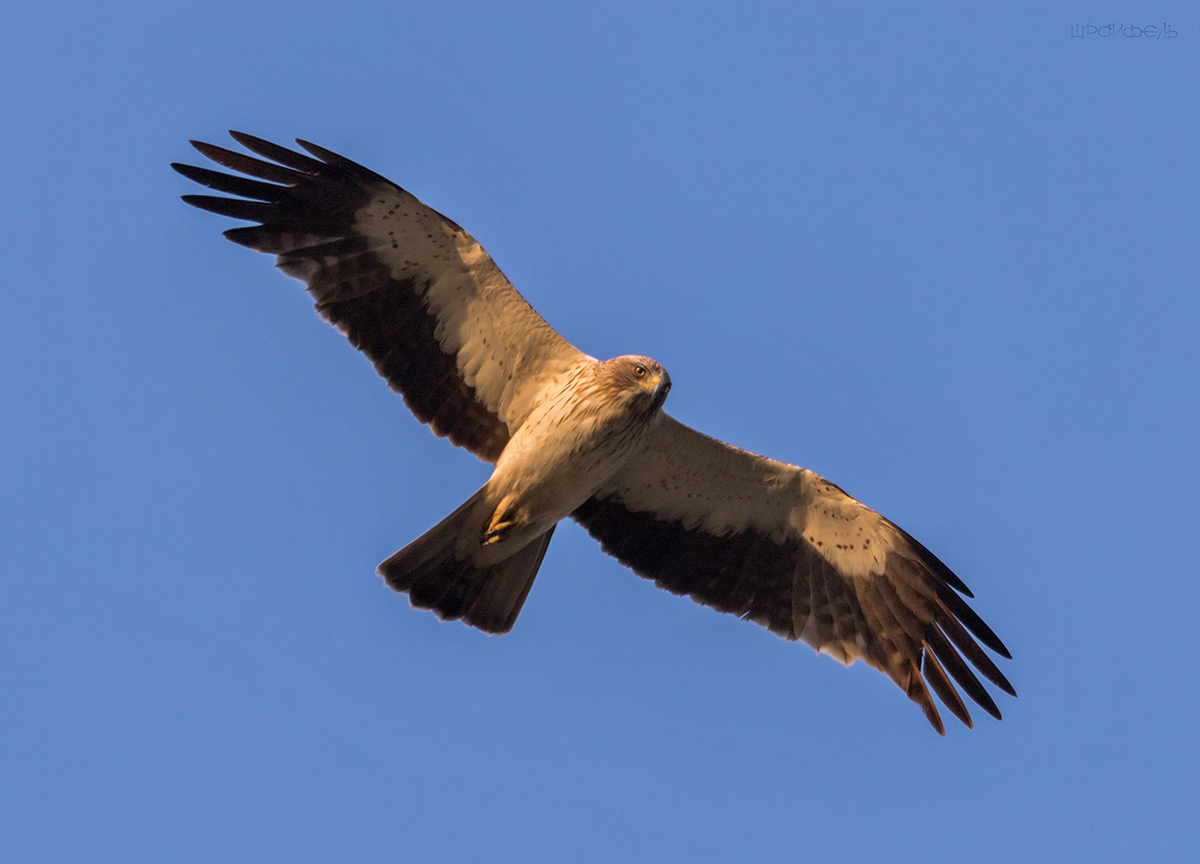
column 947, row 258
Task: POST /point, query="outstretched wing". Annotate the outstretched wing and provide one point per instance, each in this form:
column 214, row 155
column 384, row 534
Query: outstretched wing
column 410, row 289
column 782, row 546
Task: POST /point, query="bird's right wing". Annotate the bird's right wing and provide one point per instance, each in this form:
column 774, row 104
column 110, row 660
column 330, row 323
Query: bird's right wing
column 784, row 547
column 410, row 288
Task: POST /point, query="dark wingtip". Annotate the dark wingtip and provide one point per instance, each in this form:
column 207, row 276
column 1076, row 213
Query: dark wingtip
column 276, row 153
column 247, row 236
column 314, row 149
column 935, row 564
column 970, row 618
column 935, row 677
column 993, row 642
column 360, row 172
column 919, row 693
column 209, row 151
column 950, row 577
column 253, row 142
column 194, row 173
column 997, row 677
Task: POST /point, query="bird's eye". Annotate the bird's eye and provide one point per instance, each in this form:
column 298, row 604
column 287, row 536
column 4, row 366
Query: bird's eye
column 639, row 371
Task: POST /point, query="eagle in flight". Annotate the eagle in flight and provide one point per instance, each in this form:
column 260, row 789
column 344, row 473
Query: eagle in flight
column 570, row 435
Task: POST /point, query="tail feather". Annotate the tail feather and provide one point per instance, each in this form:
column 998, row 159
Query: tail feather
column 505, row 586
column 489, row 597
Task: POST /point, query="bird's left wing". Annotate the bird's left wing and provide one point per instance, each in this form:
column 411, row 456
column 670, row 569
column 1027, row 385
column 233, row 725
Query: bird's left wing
column 412, row 290
column 782, row 546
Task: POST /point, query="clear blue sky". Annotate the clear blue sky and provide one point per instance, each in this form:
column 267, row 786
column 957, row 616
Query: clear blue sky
column 947, row 258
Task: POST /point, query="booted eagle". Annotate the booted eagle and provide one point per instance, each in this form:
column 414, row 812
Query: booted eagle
column 571, row 435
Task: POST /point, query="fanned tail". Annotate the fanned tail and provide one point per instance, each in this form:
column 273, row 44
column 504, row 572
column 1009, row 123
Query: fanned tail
column 435, row 575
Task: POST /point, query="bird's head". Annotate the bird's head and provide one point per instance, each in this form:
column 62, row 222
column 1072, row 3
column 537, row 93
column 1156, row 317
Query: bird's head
column 643, row 381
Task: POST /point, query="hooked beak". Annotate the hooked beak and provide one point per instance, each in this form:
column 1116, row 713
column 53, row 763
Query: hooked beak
column 662, row 386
